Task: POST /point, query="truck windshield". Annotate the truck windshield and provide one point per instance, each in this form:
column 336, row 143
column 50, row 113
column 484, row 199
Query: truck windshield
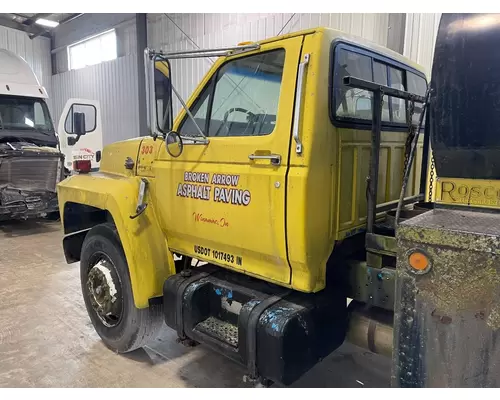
column 24, row 113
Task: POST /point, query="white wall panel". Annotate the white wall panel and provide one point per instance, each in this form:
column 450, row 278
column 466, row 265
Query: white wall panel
column 420, row 38
column 127, row 38
column 114, row 84
column 88, row 25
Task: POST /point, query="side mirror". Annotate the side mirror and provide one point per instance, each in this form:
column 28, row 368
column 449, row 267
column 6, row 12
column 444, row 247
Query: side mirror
column 158, row 93
column 173, row 143
column 163, row 96
column 79, row 128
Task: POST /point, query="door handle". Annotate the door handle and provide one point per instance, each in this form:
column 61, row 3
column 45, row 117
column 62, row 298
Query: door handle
column 274, row 158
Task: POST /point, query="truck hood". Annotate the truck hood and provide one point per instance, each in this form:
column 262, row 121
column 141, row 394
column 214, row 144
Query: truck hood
column 141, row 151
column 21, row 148
column 28, row 136
column 115, row 155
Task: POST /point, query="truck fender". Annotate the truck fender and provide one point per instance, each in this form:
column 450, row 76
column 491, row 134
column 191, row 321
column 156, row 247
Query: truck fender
column 146, row 249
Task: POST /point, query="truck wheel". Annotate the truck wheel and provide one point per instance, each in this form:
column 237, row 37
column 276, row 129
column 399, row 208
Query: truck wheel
column 107, row 293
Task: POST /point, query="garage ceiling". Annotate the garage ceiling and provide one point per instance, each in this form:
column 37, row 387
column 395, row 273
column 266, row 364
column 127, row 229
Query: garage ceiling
column 26, row 22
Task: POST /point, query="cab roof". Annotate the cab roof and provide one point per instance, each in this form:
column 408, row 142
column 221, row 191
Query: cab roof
column 17, row 78
column 335, row 34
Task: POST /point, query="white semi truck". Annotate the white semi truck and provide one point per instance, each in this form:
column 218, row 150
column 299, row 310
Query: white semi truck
column 33, row 156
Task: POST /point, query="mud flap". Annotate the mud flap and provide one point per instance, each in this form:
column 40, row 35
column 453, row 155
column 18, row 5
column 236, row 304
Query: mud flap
column 447, row 319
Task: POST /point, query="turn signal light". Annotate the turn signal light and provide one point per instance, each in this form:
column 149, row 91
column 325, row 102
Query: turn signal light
column 82, row 166
column 418, row 261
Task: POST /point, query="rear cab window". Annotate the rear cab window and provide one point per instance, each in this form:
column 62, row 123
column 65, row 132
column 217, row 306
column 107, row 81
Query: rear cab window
column 352, row 108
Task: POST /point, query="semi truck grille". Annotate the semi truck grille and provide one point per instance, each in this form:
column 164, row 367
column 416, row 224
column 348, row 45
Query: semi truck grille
column 29, row 173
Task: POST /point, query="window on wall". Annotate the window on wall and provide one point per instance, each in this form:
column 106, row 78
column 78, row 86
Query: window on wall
column 355, row 105
column 93, row 50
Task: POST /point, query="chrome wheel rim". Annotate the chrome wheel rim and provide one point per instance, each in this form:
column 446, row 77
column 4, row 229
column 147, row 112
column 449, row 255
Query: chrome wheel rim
column 104, row 290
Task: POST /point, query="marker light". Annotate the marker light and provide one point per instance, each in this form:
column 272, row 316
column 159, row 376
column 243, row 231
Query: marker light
column 418, row 261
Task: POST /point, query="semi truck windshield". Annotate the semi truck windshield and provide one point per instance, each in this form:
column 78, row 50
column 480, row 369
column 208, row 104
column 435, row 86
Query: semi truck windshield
column 24, row 113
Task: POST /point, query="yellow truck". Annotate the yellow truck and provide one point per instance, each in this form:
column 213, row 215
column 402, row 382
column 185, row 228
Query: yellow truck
column 246, row 222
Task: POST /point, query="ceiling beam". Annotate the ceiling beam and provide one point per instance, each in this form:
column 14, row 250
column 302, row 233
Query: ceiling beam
column 10, row 23
column 29, row 30
column 20, row 15
column 32, row 20
column 33, row 30
column 48, row 32
column 70, row 18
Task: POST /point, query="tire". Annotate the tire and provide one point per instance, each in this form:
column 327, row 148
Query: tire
column 126, row 328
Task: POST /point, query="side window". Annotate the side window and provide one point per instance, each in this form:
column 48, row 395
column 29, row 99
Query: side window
column 350, row 102
column 90, row 113
column 380, row 76
column 354, row 103
column 246, row 96
column 398, row 105
column 244, row 101
column 199, row 111
column 417, row 85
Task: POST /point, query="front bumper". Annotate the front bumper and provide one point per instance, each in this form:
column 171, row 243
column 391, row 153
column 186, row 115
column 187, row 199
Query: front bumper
column 23, row 204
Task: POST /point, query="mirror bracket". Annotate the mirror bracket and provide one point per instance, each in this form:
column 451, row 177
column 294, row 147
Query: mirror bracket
column 150, row 58
column 73, row 140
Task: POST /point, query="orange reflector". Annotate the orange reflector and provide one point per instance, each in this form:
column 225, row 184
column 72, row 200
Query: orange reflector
column 244, row 43
column 418, row 261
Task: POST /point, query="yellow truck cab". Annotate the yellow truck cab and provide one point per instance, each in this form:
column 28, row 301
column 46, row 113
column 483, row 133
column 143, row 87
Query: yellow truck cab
column 242, row 222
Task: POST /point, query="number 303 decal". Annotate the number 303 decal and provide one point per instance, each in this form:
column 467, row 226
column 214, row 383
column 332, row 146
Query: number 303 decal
column 147, row 150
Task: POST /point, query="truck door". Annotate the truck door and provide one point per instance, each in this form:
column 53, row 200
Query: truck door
column 225, row 201
column 88, row 145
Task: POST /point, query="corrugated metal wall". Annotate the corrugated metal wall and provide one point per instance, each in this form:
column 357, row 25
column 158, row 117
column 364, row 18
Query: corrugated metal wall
column 125, row 36
column 216, row 30
column 36, row 52
column 114, row 84
column 420, row 38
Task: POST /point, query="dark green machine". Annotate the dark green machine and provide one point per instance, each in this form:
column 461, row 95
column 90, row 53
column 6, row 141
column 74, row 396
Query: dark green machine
column 447, row 313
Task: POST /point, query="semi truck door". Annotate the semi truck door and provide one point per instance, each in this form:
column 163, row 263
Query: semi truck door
column 81, row 146
column 224, row 201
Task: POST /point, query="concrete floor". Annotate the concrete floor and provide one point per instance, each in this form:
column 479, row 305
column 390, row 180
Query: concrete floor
column 47, row 340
